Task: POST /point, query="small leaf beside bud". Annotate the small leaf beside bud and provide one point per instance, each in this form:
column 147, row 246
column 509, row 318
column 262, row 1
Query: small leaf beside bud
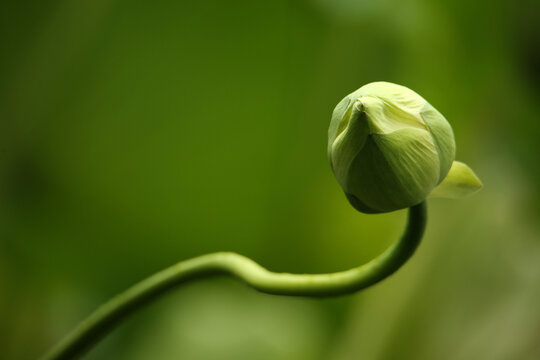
column 461, row 181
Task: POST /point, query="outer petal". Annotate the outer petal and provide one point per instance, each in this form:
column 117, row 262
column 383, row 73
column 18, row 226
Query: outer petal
column 349, row 138
column 397, row 95
column 461, row 181
column 394, row 171
column 337, row 122
column 442, row 135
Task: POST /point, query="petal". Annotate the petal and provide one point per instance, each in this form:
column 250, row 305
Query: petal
column 336, row 123
column 443, row 136
column 461, row 181
column 394, row 171
column 348, row 143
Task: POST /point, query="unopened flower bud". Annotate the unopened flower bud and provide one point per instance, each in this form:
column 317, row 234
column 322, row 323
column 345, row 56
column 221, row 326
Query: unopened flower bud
column 389, row 148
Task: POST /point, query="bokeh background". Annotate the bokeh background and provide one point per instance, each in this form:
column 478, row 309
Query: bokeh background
column 134, row 134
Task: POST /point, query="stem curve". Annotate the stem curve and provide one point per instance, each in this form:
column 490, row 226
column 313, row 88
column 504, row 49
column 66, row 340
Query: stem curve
column 110, row 314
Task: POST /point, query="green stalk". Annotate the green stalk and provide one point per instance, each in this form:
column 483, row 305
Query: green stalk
column 109, row 315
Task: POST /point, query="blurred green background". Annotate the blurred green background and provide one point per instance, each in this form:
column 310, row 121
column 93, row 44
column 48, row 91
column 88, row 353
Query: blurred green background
column 134, row 134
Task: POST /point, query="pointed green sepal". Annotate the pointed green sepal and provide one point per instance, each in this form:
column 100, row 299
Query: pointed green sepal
column 461, row 181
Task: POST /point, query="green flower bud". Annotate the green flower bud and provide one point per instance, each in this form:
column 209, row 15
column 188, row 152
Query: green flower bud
column 389, row 149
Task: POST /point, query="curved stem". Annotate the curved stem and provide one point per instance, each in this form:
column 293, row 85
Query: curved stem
column 99, row 323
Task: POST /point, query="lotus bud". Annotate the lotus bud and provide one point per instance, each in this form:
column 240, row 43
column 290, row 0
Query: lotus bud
column 389, row 149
